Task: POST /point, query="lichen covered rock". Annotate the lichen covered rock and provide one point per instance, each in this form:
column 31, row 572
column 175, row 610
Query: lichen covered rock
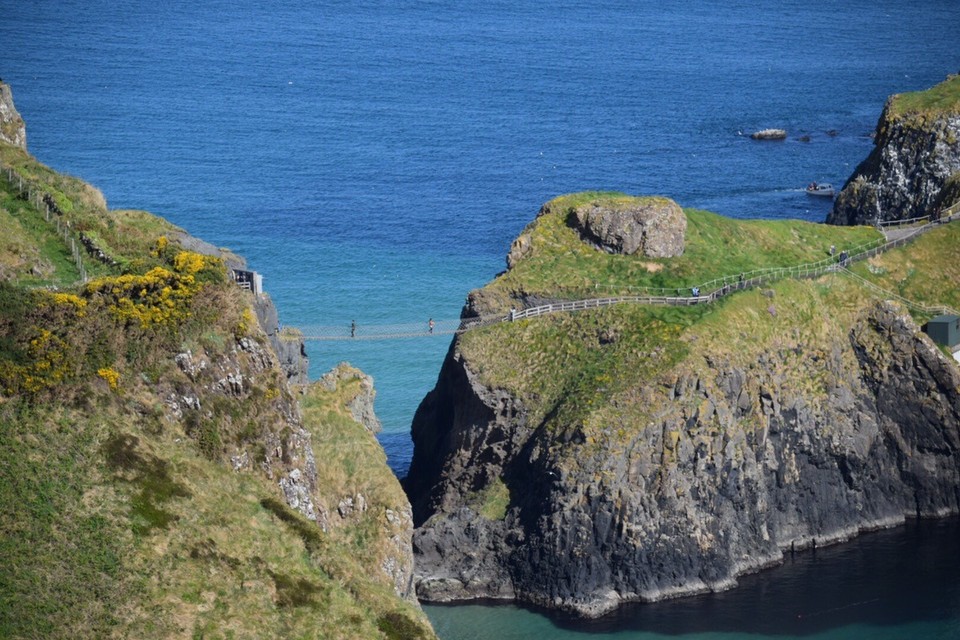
column 652, row 226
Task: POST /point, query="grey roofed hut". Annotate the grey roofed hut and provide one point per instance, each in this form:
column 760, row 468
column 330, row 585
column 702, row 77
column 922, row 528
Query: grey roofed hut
column 945, row 330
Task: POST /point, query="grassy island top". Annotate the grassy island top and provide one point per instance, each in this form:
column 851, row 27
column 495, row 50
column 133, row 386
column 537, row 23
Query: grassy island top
column 599, row 367
column 943, row 98
column 558, row 264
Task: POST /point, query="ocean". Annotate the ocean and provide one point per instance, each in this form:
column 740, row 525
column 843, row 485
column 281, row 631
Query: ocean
column 374, row 159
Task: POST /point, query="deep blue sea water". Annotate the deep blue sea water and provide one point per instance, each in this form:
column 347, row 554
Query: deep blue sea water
column 375, row 159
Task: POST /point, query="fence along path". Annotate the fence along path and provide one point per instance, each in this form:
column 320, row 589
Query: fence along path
column 890, row 295
column 39, row 199
column 899, row 234
column 896, row 232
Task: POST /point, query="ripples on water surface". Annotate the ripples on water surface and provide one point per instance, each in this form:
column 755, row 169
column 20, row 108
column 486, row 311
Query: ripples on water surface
column 374, row 160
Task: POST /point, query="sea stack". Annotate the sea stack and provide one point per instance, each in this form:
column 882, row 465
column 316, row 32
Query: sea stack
column 917, row 151
column 638, row 452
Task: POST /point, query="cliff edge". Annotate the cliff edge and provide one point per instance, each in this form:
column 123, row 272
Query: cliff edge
column 917, row 150
column 159, row 475
column 12, row 128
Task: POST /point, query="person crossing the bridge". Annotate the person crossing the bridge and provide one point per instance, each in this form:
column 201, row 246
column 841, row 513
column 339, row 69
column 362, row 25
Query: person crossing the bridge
column 353, row 328
column 430, row 325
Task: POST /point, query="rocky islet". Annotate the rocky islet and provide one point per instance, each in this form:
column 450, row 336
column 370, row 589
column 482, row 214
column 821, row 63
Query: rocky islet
column 741, row 449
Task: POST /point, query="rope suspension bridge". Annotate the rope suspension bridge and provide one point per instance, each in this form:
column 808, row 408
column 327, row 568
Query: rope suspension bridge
column 896, row 234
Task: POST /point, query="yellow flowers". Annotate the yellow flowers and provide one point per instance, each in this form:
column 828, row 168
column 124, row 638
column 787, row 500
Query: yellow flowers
column 159, row 298
column 69, row 299
column 46, row 365
column 246, row 322
column 189, row 262
column 161, row 246
column 63, row 302
column 112, row 376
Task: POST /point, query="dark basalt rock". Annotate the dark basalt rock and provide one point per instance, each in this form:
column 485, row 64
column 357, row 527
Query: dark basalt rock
column 913, row 157
column 739, row 466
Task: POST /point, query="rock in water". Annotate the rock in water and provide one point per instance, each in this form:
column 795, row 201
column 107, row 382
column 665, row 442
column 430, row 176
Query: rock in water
column 12, row 127
column 769, row 134
column 917, row 150
column 650, row 226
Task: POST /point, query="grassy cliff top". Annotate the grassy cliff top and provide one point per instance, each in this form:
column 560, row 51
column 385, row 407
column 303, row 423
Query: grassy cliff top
column 943, row 98
column 32, row 249
column 598, row 368
column 558, row 264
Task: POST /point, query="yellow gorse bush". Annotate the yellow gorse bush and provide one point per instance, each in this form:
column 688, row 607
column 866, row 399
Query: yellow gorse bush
column 156, row 298
column 189, row 262
column 112, row 376
column 161, row 246
column 160, row 297
column 47, row 365
column 67, row 301
column 246, row 322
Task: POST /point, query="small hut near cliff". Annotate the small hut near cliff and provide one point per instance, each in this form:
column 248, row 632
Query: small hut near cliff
column 945, row 330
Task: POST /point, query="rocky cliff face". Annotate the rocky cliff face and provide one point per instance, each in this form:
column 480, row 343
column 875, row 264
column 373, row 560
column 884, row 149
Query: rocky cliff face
column 12, row 128
column 653, row 227
column 288, row 345
column 731, row 462
column 917, row 150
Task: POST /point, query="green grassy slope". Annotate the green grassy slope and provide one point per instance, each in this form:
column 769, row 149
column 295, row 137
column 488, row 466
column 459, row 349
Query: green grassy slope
column 587, row 370
column 943, row 98
column 121, row 514
column 560, row 265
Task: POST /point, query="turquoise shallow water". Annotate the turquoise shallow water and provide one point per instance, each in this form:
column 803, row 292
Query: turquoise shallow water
column 374, row 159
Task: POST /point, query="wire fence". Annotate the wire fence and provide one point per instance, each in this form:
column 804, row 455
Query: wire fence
column 891, row 295
column 34, row 194
column 713, row 290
